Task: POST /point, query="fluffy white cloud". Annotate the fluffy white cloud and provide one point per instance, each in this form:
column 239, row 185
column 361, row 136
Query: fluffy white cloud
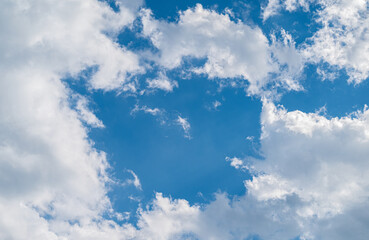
column 223, row 218
column 167, row 219
column 53, row 181
column 342, row 40
column 322, row 160
column 235, row 162
column 231, row 49
column 312, row 183
column 85, row 114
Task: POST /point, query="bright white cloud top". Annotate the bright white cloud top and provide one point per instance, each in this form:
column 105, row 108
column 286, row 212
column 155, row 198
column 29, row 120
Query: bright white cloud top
column 312, row 182
column 232, row 49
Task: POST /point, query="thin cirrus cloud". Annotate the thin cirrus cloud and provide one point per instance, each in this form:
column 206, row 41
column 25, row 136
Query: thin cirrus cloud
column 165, row 118
column 312, row 182
column 186, row 126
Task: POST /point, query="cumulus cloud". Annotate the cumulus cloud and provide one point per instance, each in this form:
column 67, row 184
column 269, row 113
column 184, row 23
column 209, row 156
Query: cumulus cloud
column 223, row 218
column 53, row 180
column 322, row 160
column 231, row 49
column 311, row 184
column 235, row 162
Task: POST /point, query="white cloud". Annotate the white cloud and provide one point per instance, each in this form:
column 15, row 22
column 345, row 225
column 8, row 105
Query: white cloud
column 266, row 187
column 146, row 109
column 165, row 118
column 323, row 160
column 86, row 115
column 290, row 60
column 163, row 83
column 135, row 181
column 231, row 49
column 213, row 106
column 63, row 37
column 312, row 183
column 183, row 122
column 223, row 218
column 216, row 104
column 53, row 180
column 235, row 162
column 167, row 219
column 275, row 6
column 343, row 40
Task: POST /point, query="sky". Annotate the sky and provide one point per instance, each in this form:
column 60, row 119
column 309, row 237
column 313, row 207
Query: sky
column 173, row 120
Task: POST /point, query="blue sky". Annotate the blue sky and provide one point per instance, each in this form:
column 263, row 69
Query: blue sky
column 184, row 119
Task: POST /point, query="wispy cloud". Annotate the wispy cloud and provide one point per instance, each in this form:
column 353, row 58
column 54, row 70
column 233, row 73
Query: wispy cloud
column 146, row 109
column 165, row 118
column 135, row 181
column 183, row 122
column 86, row 114
column 162, row 82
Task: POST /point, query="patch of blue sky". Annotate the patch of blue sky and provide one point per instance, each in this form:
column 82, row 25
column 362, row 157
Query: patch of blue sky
column 164, row 160
column 162, row 157
column 300, row 24
column 335, row 94
column 194, row 169
column 131, row 38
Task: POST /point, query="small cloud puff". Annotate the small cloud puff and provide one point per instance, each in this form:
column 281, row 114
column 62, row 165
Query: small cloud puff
column 162, row 82
column 235, row 162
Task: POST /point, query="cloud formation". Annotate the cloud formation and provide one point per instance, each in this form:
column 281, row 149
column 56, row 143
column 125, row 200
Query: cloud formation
column 162, row 82
column 312, row 183
column 186, row 126
column 53, row 180
column 232, row 49
column 342, row 38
